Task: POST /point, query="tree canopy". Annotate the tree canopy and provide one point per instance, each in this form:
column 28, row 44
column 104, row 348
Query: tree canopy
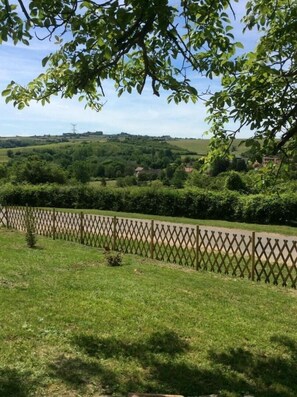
column 162, row 44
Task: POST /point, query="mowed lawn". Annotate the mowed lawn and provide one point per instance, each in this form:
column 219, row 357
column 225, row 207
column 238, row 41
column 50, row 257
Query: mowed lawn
column 72, row 326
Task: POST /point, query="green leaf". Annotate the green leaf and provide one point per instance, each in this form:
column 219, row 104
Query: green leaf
column 5, row 92
column 238, row 44
column 21, row 105
column 44, row 61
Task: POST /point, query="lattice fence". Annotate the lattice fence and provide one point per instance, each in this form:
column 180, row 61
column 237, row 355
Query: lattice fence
column 276, row 261
column 174, row 243
column 226, row 253
column 97, row 231
column 132, row 236
column 2, row 216
column 258, row 258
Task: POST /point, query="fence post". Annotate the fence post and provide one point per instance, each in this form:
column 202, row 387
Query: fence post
column 114, row 233
column 152, row 238
column 253, row 256
column 81, row 227
column 54, row 224
column 197, row 246
column 26, row 218
column 7, row 217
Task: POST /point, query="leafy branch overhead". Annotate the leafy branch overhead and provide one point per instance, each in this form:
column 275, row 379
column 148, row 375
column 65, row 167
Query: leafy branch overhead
column 160, row 43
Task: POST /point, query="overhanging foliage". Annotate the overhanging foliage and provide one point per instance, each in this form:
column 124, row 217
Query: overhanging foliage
column 135, row 43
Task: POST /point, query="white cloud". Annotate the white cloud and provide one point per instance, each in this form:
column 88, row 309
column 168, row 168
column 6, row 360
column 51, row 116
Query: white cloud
column 131, row 113
column 136, row 114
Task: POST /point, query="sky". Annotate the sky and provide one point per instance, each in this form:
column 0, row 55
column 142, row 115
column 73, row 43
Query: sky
column 143, row 114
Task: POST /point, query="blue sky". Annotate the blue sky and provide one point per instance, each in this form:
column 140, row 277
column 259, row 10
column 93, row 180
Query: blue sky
column 145, row 114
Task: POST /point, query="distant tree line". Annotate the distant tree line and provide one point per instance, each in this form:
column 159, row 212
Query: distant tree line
column 118, row 157
column 11, row 143
column 87, row 160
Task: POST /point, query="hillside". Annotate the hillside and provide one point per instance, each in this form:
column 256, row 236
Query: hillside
column 18, row 144
column 193, row 147
column 200, row 146
column 84, row 157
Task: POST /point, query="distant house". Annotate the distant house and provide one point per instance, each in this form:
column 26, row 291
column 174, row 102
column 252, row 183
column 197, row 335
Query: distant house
column 147, row 174
column 256, row 165
column 267, row 160
column 271, row 160
column 138, row 171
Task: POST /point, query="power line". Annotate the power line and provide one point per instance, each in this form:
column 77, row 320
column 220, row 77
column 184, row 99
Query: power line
column 74, row 130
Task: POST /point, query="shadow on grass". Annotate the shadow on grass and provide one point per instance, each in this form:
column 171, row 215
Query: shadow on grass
column 36, row 248
column 167, row 343
column 273, row 376
column 80, row 373
column 14, row 384
column 161, row 364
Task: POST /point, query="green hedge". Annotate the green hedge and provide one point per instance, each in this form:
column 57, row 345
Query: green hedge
column 270, row 209
column 190, row 203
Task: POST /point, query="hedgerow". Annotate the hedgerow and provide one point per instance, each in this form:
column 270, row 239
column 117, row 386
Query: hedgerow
column 191, row 203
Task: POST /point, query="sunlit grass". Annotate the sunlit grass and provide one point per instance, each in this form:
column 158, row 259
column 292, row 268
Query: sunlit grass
column 72, row 326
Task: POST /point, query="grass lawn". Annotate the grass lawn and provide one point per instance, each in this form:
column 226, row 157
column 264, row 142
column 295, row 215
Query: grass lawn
column 72, row 326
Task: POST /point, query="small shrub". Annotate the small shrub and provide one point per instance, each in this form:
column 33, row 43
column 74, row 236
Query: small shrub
column 113, row 258
column 235, row 182
column 30, row 228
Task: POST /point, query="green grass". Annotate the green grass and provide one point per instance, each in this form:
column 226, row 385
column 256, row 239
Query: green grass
column 3, row 156
column 98, row 183
column 200, row 146
column 71, row 326
column 279, row 229
column 222, row 262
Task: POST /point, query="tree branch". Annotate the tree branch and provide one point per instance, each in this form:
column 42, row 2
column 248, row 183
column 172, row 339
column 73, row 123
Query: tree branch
column 286, row 137
column 24, row 10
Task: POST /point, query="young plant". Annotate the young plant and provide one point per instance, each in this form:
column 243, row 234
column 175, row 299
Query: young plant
column 113, row 258
column 30, row 228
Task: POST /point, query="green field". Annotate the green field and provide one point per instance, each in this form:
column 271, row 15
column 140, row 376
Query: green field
column 44, row 146
column 98, row 183
column 3, row 156
column 200, row 146
column 3, row 151
column 71, row 326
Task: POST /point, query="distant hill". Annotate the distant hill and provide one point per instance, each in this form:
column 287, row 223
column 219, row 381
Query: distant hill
column 200, row 146
column 85, row 157
column 28, row 143
column 18, row 144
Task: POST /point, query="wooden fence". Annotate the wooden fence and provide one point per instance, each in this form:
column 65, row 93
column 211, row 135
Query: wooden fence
column 256, row 257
